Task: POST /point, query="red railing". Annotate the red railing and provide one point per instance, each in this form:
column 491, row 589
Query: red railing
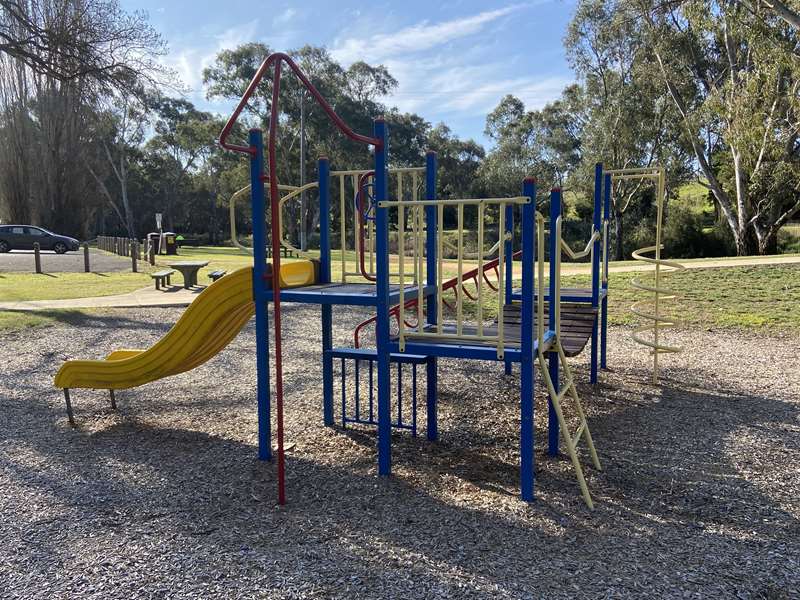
column 276, row 60
column 450, row 284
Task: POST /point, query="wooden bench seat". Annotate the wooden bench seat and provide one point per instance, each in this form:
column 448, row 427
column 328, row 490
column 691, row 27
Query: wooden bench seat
column 162, row 278
column 214, row 275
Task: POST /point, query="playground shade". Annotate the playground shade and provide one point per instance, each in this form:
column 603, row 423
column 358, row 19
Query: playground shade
column 205, row 328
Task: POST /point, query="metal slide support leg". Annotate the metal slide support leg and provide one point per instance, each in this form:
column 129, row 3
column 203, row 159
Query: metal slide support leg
column 69, row 407
column 113, row 400
column 593, row 357
column 552, row 416
column 603, row 331
column 382, row 308
column 327, row 364
column 526, row 368
column 431, row 375
column 526, row 428
column 262, row 366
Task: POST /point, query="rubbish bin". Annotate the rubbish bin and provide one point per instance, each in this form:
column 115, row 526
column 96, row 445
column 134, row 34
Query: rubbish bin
column 155, row 240
column 170, row 242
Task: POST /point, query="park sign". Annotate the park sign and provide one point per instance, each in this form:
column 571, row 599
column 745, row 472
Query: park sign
column 158, row 220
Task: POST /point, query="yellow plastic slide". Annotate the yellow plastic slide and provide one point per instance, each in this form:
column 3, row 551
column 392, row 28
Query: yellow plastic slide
column 209, row 324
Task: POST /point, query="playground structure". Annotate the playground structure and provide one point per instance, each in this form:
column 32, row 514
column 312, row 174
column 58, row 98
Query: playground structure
column 418, row 286
column 535, row 323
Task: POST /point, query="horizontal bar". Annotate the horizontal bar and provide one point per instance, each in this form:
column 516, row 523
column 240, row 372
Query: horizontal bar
column 453, row 336
column 449, row 202
column 459, row 351
column 370, row 354
column 632, row 170
column 362, row 171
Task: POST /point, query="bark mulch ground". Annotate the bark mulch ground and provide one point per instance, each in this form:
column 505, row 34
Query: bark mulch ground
column 165, row 497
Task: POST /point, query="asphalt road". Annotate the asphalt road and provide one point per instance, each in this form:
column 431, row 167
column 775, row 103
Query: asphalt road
column 21, row 261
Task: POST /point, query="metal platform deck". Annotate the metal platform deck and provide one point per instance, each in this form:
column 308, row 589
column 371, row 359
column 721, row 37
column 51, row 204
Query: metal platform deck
column 352, row 294
column 469, row 349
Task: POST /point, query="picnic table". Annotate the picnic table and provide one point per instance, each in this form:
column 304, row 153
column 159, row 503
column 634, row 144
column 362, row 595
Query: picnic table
column 189, row 269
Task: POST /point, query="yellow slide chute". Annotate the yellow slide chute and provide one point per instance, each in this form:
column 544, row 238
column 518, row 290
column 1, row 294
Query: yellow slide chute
column 205, row 328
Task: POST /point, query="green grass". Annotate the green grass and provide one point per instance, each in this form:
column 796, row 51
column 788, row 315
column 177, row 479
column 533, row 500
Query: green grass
column 758, row 296
column 762, row 296
column 53, row 286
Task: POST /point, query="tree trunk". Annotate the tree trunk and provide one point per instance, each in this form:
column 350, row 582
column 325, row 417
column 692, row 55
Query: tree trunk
column 618, row 234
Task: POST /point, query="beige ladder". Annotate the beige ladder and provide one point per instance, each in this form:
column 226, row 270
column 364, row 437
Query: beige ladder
column 571, row 440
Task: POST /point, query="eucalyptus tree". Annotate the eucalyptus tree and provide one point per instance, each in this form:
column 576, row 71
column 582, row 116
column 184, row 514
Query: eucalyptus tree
column 733, row 74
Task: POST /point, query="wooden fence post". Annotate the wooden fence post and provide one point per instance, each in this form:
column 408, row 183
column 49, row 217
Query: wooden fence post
column 134, row 255
column 37, row 260
column 86, row 257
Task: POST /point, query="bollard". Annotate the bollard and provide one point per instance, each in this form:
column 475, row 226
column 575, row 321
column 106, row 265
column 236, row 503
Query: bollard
column 134, row 256
column 37, row 260
column 152, row 253
column 86, row 257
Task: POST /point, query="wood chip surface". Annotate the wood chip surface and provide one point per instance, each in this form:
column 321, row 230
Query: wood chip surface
column 165, row 498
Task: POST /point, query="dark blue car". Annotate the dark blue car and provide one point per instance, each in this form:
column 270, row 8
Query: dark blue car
column 23, row 237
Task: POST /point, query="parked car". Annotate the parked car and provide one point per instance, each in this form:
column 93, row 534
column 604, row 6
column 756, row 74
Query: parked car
column 22, row 237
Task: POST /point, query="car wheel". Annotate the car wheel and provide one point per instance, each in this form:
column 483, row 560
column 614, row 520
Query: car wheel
column 4, row 246
column 60, row 247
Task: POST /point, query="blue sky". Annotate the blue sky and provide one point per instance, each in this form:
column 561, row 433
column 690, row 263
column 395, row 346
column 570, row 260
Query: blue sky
column 453, row 59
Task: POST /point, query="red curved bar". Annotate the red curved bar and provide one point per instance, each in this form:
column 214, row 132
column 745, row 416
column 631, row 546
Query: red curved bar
column 251, row 88
column 473, row 275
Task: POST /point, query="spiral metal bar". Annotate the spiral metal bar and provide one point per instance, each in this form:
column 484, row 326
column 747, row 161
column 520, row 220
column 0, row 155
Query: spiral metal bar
column 650, row 309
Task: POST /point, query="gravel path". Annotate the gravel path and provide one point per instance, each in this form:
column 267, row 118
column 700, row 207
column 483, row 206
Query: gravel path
column 165, row 498
column 21, row 261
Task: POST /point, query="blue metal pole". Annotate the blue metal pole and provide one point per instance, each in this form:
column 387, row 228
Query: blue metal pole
column 509, row 266
column 604, row 304
column 323, row 170
column 382, row 300
column 596, row 216
column 431, row 364
column 552, row 357
column 260, row 295
column 526, row 473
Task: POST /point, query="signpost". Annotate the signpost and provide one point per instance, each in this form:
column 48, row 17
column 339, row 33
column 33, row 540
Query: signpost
column 161, row 245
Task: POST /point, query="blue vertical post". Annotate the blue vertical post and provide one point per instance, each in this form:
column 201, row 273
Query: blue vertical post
column 260, row 296
column 509, row 266
column 431, row 364
column 382, row 303
column 323, row 170
column 554, row 294
column 596, row 215
column 607, row 249
column 526, row 473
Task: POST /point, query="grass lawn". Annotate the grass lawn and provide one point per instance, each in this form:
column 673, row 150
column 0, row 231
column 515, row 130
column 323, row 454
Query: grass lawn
column 743, row 296
column 750, row 296
column 53, row 286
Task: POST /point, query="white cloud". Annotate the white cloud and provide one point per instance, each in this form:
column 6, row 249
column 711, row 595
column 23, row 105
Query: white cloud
column 284, row 17
column 417, row 38
column 192, row 59
column 447, row 70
